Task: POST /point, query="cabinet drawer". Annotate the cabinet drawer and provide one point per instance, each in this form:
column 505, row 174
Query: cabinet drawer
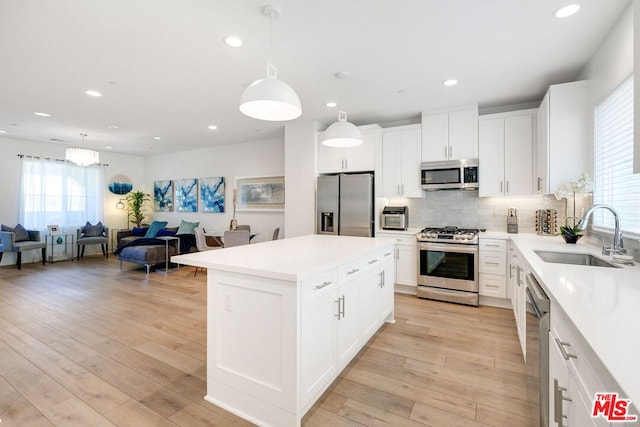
column 399, row 239
column 317, row 286
column 493, row 285
column 493, row 245
column 350, row 270
column 493, row 263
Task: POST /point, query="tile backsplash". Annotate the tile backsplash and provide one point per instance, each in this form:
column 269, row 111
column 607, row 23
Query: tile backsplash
column 466, row 209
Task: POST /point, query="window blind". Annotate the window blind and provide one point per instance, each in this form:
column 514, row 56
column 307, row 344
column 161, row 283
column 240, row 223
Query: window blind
column 614, row 182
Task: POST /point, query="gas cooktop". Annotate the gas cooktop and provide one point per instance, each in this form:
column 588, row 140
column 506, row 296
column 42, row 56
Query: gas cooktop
column 467, row 236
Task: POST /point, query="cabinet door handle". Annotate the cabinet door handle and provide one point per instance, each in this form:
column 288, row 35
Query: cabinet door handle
column 373, row 261
column 507, row 187
column 346, row 163
column 566, row 355
column 539, row 183
column 402, row 186
column 450, row 152
column 445, row 151
column 354, row 271
column 558, row 397
column 398, row 189
column 381, row 277
column 388, row 253
column 492, row 263
column 323, row 285
column 491, row 245
column 501, row 189
column 338, row 315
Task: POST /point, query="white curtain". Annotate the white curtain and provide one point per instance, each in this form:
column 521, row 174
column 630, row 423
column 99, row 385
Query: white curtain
column 56, row 192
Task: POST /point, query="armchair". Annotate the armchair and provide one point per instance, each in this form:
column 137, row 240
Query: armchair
column 8, row 244
column 92, row 235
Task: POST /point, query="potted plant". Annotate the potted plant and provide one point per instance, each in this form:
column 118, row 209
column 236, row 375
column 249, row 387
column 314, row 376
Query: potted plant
column 136, row 201
column 570, row 234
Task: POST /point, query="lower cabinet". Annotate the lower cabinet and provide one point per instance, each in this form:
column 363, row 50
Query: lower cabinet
column 406, row 254
column 341, row 310
column 517, row 273
column 492, row 267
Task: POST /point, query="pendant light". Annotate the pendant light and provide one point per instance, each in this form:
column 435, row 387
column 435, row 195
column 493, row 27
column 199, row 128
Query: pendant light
column 270, row 99
column 82, row 156
column 342, row 133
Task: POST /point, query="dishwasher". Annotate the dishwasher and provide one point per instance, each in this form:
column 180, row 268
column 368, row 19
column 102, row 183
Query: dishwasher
column 537, row 348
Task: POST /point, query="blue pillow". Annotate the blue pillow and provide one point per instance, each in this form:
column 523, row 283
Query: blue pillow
column 165, row 232
column 187, row 227
column 93, row 230
column 139, row 231
column 154, row 228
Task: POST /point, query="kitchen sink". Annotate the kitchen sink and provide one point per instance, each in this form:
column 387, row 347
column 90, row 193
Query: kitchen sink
column 573, row 258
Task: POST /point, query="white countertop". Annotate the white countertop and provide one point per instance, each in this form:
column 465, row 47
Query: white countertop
column 286, row 259
column 603, row 303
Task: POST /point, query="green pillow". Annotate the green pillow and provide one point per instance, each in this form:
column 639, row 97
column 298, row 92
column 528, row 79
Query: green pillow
column 154, row 228
column 187, row 227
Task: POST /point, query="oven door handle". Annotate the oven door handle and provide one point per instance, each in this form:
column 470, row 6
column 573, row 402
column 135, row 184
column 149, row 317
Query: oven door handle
column 449, row 247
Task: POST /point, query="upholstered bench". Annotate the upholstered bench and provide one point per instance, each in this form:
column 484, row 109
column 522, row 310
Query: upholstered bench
column 148, row 255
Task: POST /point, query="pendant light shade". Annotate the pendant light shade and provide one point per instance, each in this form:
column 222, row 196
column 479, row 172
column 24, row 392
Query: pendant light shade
column 342, row 133
column 270, row 99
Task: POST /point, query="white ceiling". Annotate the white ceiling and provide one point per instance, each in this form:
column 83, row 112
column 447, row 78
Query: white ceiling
column 174, row 76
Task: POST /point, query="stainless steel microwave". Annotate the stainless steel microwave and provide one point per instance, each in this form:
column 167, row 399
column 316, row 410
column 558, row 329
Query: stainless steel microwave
column 450, row 175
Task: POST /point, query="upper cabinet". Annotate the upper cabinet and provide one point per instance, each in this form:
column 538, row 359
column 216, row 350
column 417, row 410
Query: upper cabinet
column 450, row 134
column 401, row 148
column 352, row 159
column 562, row 149
column 506, row 153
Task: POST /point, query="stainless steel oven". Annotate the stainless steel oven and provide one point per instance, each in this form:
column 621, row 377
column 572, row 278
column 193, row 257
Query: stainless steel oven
column 448, row 272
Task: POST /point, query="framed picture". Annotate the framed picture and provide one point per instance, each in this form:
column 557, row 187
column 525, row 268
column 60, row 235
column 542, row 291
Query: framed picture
column 260, row 193
column 186, row 193
column 163, row 196
column 212, row 195
column 53, row 230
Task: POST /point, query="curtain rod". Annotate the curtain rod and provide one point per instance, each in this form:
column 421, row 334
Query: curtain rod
column 22, row 156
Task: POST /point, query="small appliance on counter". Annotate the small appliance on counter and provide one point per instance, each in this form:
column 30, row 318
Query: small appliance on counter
column 546, row 222
column 512, row 221
column 394, row 218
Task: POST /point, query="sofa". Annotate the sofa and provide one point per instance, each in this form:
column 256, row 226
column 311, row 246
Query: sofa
column 134, row 247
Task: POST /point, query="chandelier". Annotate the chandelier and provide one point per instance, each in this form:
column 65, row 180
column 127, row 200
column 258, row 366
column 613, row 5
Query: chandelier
column 82, row 156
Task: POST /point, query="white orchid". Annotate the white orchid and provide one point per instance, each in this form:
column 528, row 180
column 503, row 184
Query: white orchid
column 580, row 185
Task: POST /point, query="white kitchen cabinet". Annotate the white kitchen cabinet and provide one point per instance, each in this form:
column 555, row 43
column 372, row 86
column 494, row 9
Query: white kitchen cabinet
column 352, row 159
column 450, row 134
column 492, row 267
column 574, row 376
column 518, row 270
column 406, row 254
column 506, row 153
column 377, row 292
column 401, row 151
column 562, row 133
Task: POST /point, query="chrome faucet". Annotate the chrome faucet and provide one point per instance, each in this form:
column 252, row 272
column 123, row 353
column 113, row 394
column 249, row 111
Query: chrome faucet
column 617, row 234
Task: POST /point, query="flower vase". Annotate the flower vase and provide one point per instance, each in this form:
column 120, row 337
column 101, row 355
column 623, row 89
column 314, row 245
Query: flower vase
column 233, row 225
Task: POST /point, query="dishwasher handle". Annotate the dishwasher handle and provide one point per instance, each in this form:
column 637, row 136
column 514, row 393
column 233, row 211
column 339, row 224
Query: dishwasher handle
column 539, row 300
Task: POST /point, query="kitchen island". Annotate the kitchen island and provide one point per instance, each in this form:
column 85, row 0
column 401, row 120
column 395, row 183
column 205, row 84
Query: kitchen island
column 284, row 318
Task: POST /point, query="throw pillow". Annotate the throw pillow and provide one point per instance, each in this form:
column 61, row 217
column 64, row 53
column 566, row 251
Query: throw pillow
column 139, row 231
column 187, row 227
column 20, row 233
column 165, row 232
column 154, row 228
column 93, row 230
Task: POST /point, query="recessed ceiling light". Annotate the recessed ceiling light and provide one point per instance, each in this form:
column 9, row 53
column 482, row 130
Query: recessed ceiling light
column 93, row 93
column 331, row 104
column 108, row 147
column 450, row 82
column 42, row 114
column 567, row 10
column 401, row 91
column 157, row 138
column 113, row 127
column 232, row 41
column 213, row 127
column 3, row 131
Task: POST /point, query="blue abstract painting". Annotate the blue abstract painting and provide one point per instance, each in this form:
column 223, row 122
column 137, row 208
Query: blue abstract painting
column 163, row 196
column 212, row 194
column 186, row 195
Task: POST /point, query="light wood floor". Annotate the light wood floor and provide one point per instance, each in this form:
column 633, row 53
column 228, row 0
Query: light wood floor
column 84, row 344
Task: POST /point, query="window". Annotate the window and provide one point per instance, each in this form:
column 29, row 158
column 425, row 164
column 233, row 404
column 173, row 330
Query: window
column 55, row 192
column 614, row 182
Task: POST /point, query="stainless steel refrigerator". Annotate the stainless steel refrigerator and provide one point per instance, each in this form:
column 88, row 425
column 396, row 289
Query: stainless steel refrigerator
column 344, row 205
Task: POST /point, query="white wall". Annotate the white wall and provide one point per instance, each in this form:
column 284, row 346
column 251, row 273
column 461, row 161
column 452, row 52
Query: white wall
column 259, row 158
column 11, row 168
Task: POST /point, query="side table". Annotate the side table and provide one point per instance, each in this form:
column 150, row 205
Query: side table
column 60, row 241
column 167, row 239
